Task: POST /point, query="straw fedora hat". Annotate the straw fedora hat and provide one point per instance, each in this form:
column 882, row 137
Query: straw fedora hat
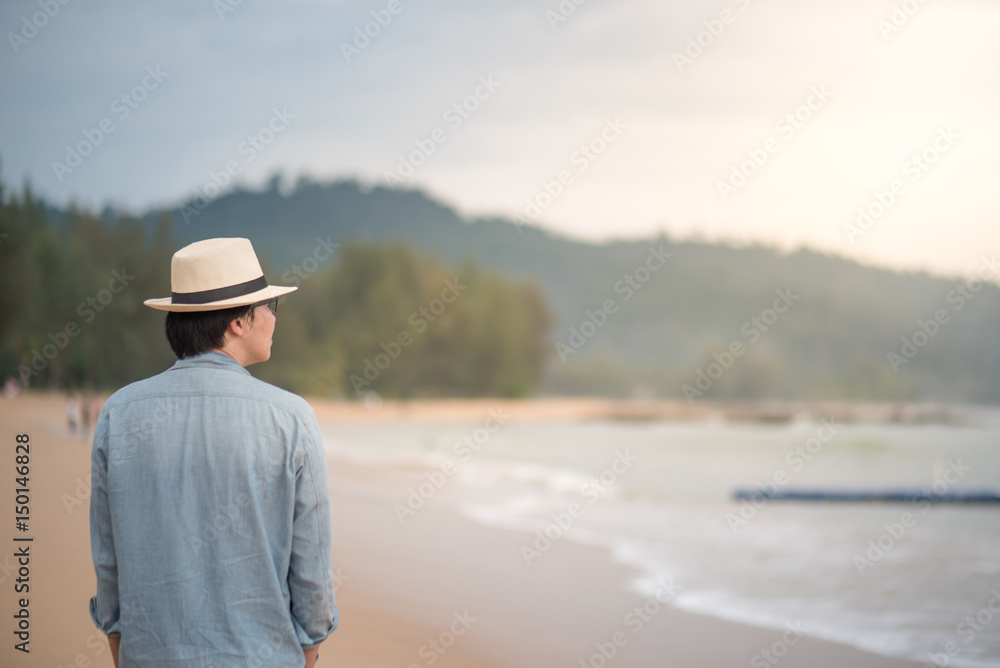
column 215, row 274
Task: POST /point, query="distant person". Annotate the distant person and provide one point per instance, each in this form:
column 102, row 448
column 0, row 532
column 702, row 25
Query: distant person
column 72, row 413
column 209, row 512
column 11, row 388
column 85, row 408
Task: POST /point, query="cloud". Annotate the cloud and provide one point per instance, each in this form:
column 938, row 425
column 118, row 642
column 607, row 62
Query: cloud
column 687, row 128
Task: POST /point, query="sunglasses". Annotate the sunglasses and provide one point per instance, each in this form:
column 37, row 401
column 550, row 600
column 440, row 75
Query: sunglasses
column 272, row 304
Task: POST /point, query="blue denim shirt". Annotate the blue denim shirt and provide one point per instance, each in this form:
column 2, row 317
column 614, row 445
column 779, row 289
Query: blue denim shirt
column 210, row 520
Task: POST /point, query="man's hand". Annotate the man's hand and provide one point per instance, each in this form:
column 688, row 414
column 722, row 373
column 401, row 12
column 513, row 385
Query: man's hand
column 114, row 642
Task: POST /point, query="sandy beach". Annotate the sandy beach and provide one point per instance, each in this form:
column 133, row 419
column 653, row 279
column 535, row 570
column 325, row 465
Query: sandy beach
column 439, row 590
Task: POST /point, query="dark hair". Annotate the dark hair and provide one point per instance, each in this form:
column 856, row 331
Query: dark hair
column 193, row 332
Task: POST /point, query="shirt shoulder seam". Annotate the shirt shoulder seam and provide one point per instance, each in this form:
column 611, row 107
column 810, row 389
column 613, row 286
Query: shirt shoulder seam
column 234, row 395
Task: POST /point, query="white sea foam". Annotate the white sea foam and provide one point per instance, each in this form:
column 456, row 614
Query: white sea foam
column 790, row 562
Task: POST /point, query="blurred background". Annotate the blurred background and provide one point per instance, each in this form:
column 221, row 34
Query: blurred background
column 844, row 152
column 733, row 218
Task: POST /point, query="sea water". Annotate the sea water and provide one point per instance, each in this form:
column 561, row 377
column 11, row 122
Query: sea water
column 910, row 580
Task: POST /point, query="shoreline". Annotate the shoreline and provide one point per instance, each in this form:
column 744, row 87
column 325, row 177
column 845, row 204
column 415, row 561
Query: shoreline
column 403, row 590
column 557, row 408
column 638, row 410
column 560, row 610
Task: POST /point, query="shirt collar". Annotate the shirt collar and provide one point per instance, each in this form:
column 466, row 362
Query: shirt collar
column 210, row 358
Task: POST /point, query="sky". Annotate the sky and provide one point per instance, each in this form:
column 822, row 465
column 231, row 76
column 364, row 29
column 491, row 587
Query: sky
column 864, row 128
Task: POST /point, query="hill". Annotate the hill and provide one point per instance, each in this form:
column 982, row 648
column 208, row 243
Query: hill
column 630, row 320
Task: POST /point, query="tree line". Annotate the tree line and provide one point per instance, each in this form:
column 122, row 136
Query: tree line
column 380, row 318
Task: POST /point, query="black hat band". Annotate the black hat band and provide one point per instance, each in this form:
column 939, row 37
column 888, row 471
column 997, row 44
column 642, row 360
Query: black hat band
column 219, row 294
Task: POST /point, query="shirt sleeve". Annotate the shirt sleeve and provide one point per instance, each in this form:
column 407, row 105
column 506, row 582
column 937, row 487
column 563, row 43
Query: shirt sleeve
column 310, row 572
column 104, row 608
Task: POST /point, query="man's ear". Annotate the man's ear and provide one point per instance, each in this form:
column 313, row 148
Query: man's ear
column 236, row 328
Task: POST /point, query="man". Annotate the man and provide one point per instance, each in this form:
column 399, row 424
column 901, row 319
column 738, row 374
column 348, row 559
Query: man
column 209, row 510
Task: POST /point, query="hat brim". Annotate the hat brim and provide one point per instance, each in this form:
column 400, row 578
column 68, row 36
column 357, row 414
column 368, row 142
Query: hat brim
column 270, row 292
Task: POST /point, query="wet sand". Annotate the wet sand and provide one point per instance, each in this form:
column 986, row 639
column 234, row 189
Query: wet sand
column 438, row 590
column 373, row 633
